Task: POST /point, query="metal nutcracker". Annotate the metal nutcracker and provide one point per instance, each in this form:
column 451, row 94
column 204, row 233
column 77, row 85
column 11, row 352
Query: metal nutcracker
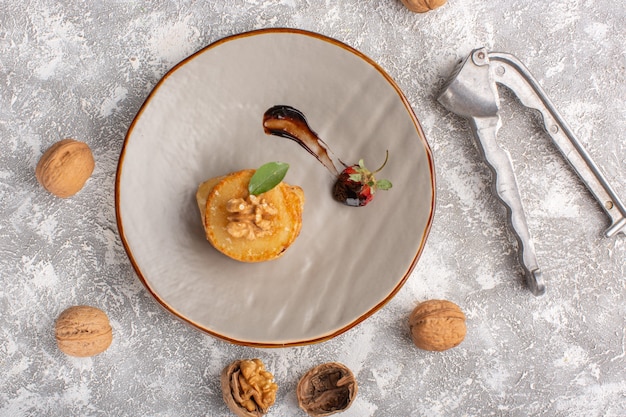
column 471, row 92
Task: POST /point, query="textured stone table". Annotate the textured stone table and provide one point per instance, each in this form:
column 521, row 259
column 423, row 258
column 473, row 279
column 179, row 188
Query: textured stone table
column 82, row 69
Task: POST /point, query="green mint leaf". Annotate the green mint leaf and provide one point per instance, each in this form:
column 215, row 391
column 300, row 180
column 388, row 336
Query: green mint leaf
column 267, row 177
column 383, row 184
column 361, row 164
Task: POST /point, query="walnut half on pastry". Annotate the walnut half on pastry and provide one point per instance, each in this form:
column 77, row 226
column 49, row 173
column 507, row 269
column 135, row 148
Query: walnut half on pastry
column 245, row 227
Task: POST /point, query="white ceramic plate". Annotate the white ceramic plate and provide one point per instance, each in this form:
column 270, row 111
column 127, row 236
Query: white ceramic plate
column 204, row 119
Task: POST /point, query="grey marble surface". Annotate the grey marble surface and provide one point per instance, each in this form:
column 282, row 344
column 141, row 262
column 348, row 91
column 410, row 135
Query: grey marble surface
column 82, row 70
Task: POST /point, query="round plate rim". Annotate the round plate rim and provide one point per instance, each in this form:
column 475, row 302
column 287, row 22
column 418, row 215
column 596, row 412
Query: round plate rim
column 363, row 316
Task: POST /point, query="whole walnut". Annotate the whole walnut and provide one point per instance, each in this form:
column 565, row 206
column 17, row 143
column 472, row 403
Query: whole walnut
column 437, row 325
column 83, row 331
column 423, row 6
column 65, row 167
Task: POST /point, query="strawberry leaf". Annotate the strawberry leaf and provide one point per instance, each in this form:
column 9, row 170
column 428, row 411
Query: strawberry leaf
column 267, row 177
column 355, row 177
column 383, row 184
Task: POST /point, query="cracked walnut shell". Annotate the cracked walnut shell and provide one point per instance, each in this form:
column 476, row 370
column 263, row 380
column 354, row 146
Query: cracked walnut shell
column 83, row 331
column 326, row 389
column 65, row 167
column 423, row 6
column 437, row 325
column 247, row 388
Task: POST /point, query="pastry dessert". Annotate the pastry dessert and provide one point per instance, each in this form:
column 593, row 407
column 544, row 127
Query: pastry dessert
column 246, row 227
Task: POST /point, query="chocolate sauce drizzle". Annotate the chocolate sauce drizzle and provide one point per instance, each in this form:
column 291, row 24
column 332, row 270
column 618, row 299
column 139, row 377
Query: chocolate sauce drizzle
column 288, row 122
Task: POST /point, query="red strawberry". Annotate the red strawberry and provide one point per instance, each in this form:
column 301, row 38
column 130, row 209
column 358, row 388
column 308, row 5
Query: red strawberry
column 356, row 185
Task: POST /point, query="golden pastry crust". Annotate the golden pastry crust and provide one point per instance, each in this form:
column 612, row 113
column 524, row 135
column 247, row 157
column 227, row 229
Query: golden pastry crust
column 213, row 196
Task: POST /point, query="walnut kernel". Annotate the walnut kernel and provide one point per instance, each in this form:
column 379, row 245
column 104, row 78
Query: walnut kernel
column 65, row 167
column 83, row 331
column 437, row 325
column 248, row 389
column 250, row 218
